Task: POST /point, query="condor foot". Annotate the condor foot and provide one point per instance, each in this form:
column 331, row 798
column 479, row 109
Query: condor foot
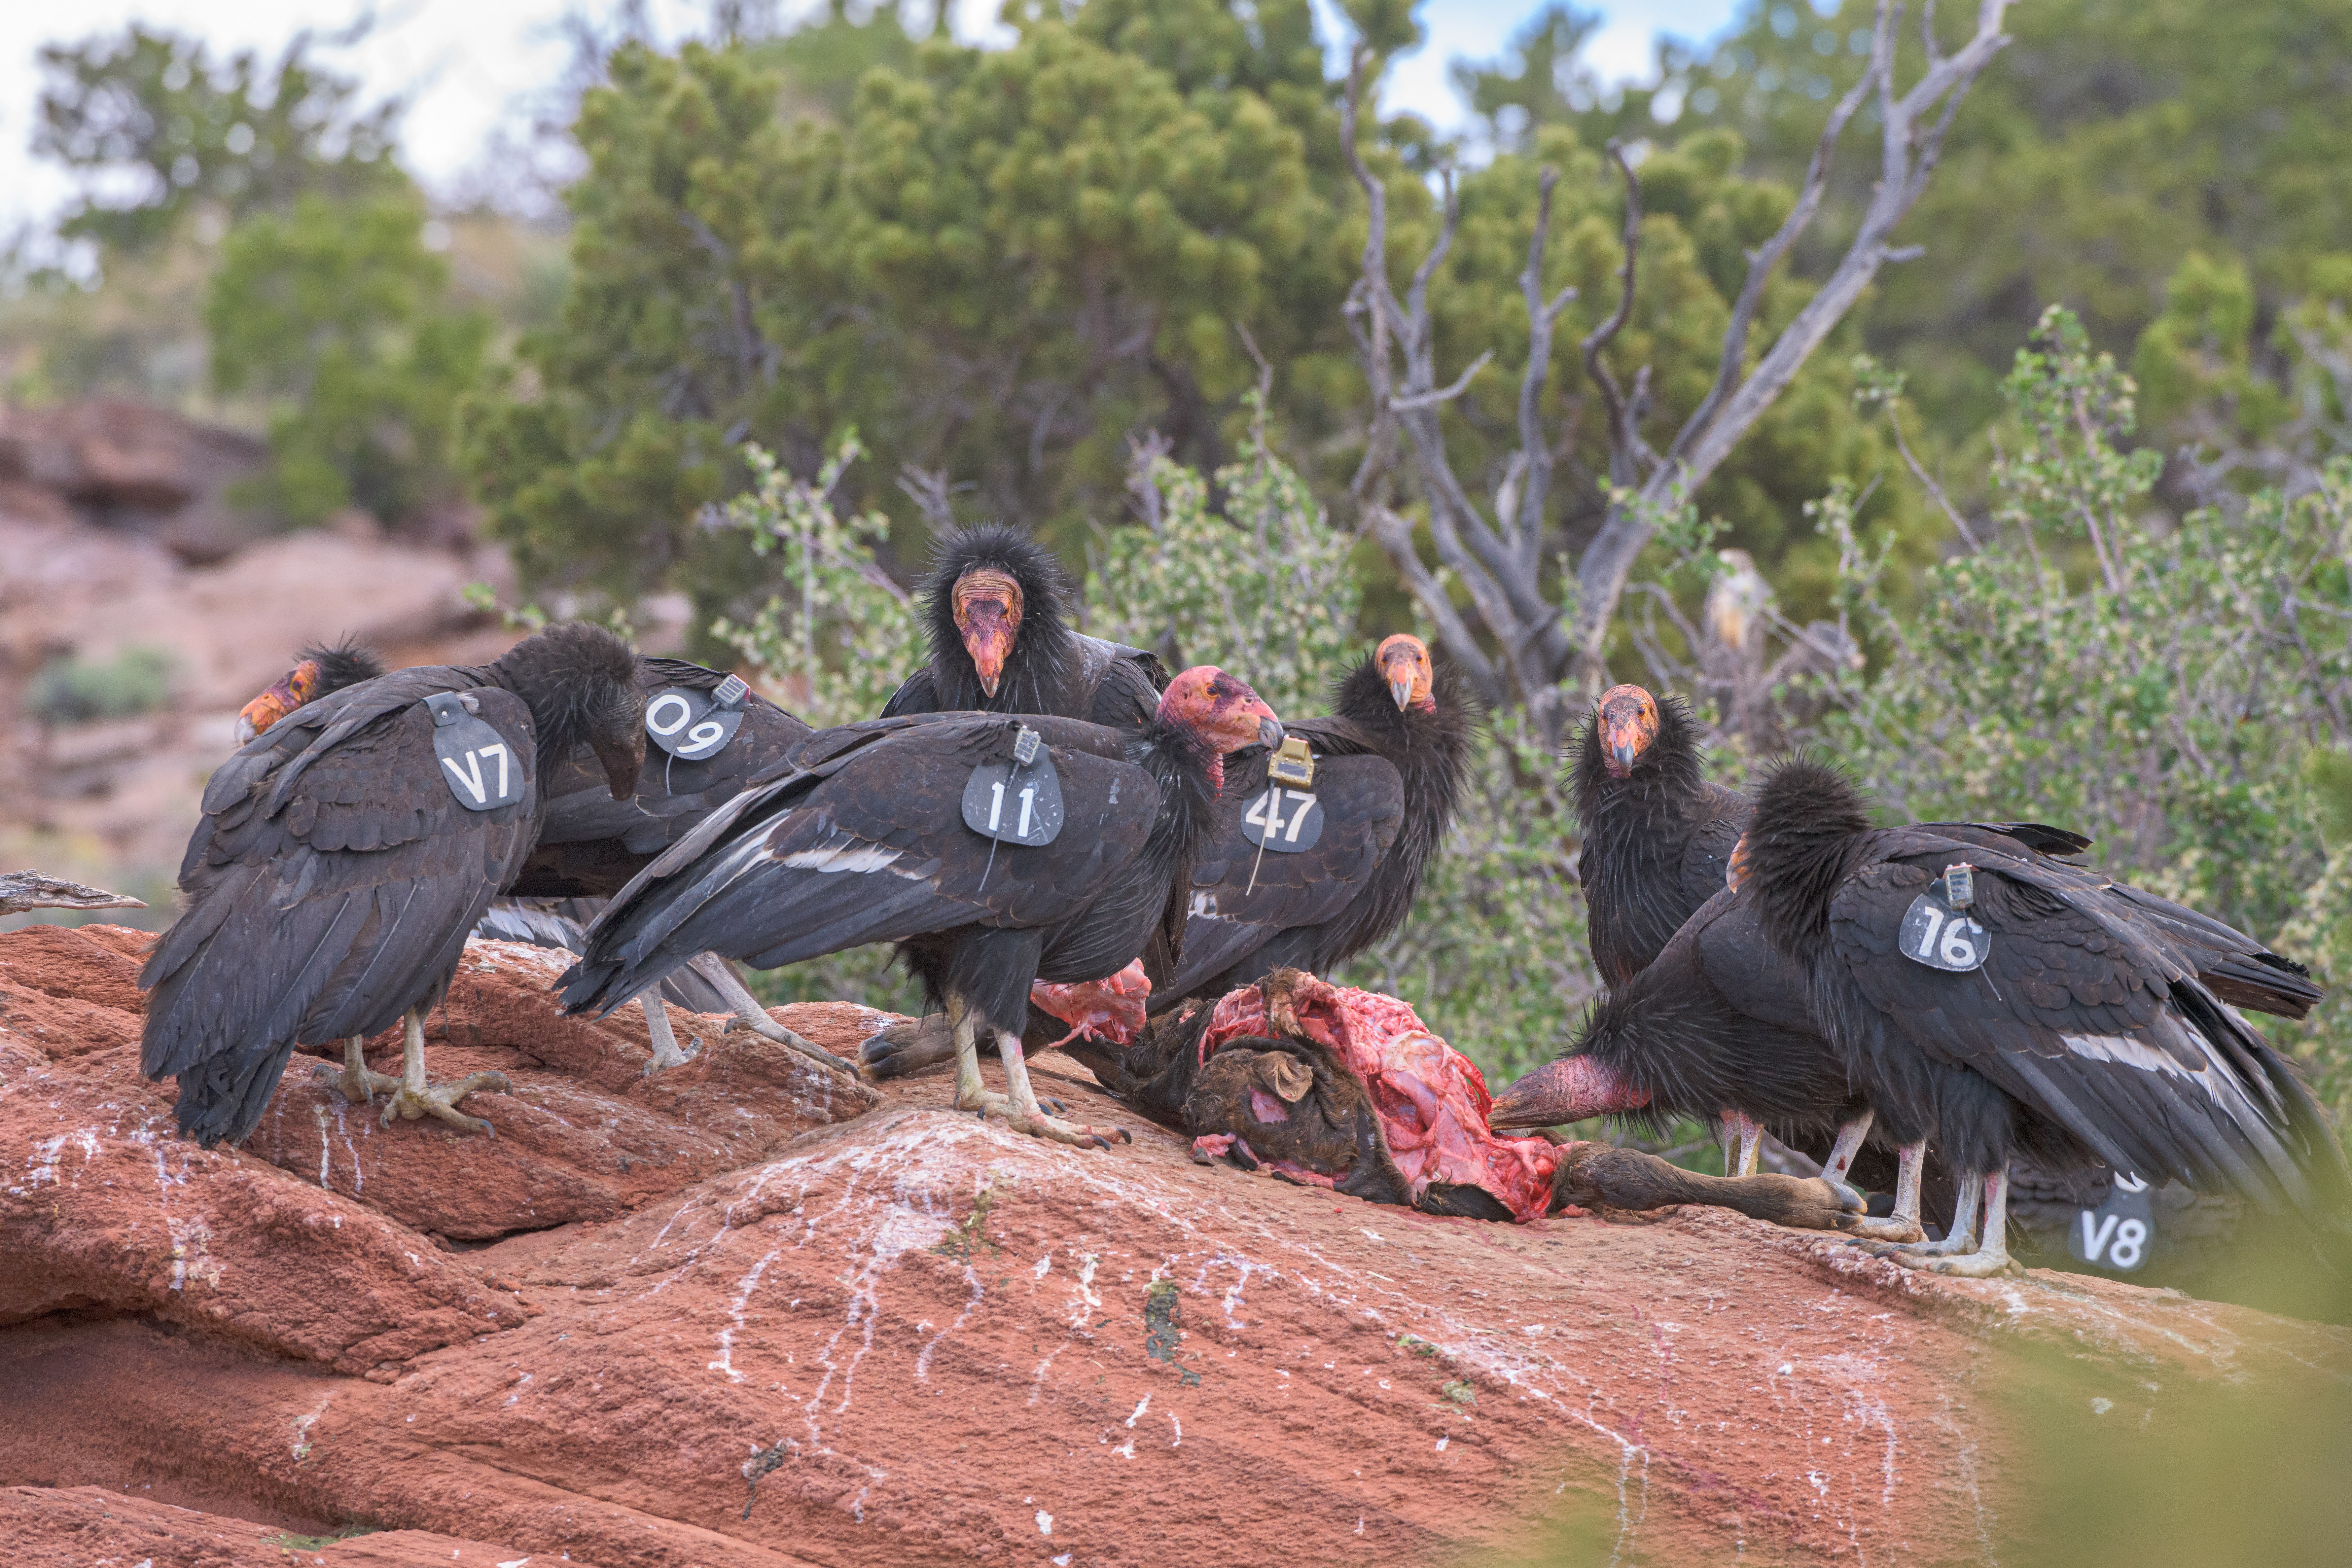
column 1037, row 1124
column 439, row 1100
column 355, row 1082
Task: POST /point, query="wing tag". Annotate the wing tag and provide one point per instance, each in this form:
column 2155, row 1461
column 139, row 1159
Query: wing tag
column 692, row 725
column 480, row 768
column 2119, row 1234
column 1284, row 820
column 1941, row 937
column 1019, row 800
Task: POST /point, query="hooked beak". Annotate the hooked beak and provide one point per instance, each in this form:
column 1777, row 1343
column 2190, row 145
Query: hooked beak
column 1401, row 687
column 989, row 640
column 1270, row 733
column 621, row 765
column 1570, row 1089
column 265, row 709
column 1622, row 742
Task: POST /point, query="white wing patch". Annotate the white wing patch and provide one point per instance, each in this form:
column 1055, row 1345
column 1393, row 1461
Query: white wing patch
column 843, row 853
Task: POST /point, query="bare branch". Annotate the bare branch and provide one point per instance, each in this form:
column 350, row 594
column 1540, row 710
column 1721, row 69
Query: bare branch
column 929, row 490
column 1737, row 401
column 1445, row 394
column 1520, row 504
column 1625, row 444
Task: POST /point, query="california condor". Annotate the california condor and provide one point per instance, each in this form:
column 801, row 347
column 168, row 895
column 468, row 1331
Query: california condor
column 995, row 607
column 1388, row 767
column 590, row 844
column 2060, row 1013
column 344, row 856
column 864, row 838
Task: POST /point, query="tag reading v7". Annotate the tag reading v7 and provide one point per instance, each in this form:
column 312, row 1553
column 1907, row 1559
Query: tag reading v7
column 480, row 768
column 1018, row 799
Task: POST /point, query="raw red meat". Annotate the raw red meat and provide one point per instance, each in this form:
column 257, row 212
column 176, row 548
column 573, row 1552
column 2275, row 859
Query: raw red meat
column 1430, row 1099
column 1107, row 1010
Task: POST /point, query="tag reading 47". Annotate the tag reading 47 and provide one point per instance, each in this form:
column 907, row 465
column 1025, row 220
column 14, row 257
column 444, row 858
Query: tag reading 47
column 1284, row 820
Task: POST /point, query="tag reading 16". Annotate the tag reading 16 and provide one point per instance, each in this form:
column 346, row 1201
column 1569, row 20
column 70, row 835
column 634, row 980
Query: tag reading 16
column 477, row 763
column 1285, row 820
column 692, row 725
column 1937, row 935
column 1016, row 801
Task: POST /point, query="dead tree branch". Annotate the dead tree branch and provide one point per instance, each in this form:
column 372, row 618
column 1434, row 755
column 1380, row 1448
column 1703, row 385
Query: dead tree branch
column 1517, row 643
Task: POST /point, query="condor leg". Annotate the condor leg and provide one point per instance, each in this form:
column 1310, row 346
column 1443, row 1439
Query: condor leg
column 415, row 1096
column 355, row 1082
column 1903, row 1226
column 658, row 1033
column 1960, row 1238
column 1029, row 1116
column 1990, row 1254
column 749, row 1015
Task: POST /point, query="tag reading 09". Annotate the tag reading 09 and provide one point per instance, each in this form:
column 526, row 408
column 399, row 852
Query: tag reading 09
column 1018, row 801
column 692, row 725
column 480, row 768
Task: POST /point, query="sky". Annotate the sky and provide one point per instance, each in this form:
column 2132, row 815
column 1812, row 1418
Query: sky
column 467, row 65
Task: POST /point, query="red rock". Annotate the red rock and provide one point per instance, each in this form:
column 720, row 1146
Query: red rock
column 76, row 1527
column 915, row 1337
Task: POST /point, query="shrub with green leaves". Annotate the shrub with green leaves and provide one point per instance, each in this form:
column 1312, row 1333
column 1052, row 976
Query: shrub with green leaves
column 74, row 691
column 336, row 314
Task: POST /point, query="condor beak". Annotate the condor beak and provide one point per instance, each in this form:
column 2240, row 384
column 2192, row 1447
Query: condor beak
column 1270, row 733
column 989, row 640
column 621, row 765
column 1622, row 742
column 1401, row 687
column 1570, row 1089
column 265, row 709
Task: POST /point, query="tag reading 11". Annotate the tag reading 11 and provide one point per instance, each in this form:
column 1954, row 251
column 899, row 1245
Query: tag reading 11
column 1018, row 801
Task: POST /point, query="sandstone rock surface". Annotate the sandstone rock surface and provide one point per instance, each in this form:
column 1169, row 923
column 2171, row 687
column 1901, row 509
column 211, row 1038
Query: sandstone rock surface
column 730, row 1316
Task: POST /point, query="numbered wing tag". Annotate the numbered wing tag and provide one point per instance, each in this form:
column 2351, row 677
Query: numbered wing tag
column 1941, row 937
column 1019, row 800
column 1283, row 819
column 480, row 768
column 692, row 725
column 2120, row 1233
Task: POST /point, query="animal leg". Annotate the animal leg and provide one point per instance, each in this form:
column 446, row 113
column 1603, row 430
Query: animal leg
column 905, row 1049
column 1903, row 1226
column 749, row 1015
column 355, row 1082
column 657, row 1030
column 1959, row 1238
column 1990, row 1255
column 1029, row 1118
column 413, row 1097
